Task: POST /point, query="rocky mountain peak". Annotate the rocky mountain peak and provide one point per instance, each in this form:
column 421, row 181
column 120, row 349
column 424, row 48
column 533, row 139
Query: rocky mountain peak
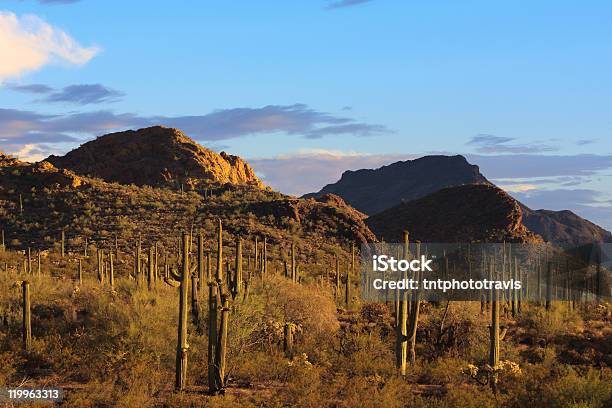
column 156, row 156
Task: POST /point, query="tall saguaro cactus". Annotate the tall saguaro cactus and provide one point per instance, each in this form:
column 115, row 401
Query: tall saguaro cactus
column 401, row 342
column 238, row 280
column 63, row 250
column 111, row 270
column 337, row 285
column 288, row 340
column 549, row 286
column 27, row 321
column 222, row 341
column 151, row 269
column 182, row 282
column 414, row 311
column 494, row 336
column 217, row 329
column 201, row 264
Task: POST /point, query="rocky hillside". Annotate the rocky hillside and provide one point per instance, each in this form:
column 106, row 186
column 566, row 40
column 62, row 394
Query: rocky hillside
column 374, row 190
column 470, row 213
column 38, row 200
column 563, row 227
column 155, row 156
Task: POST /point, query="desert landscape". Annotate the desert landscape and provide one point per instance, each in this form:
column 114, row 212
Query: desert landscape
column 311, row 204
column 142, row 269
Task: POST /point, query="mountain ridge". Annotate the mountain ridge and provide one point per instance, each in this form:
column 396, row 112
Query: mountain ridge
column 376, row 190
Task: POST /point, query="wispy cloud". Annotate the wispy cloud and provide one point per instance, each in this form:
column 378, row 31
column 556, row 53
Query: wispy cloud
column 485, row 143
column 345, row 3
column 28, row 43
column 85, row 94
column 296, row 120
column 583, row 142
column 30, row 88
column 81, row 94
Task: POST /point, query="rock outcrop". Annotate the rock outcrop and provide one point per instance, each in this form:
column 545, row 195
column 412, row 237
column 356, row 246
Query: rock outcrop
column 470, row 213
column 9, row 161
column 156, row 156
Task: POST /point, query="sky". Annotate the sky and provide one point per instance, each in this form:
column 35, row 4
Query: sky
column 305, row 90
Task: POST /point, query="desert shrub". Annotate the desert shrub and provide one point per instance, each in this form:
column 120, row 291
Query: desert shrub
column 547, row 325
column 591, row 388
column 442, row 370
column 458, row 331
column 372, row 391
column 306, row 306
column 362, row 354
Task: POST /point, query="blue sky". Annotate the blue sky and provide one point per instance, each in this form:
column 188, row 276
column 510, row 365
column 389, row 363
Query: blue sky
column 307, row 89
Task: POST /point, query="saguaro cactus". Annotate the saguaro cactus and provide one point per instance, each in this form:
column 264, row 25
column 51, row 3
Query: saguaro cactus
column 212, row 334
column 337, row 278
column 111, row 271
column 347, row 288
column 222, row 341
column 182, row 281
column 63, row 250
column 195, row 308
column 100, row 259
column 237, row 282
column 256, row 262
column 151, row 269
column 549, row 286
column 27, row 321
column 217, row 331
column 401, row 342
column 288, row 340
column 200, row 260
column 494, row 336
column 414, row 311
column 265, row 256
column 293, row 265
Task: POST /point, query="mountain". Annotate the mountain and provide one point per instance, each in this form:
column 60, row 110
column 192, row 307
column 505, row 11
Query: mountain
column 563, row 227
column 372, row 191
column 469, row 213
column 155, row 156
column 39, row 200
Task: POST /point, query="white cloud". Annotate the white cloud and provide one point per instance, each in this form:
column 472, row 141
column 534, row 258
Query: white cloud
column 28, row 43
column 29, row 153
column 518, row 188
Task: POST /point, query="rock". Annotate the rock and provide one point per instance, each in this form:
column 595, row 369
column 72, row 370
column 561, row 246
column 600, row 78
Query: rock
column 156, row 156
